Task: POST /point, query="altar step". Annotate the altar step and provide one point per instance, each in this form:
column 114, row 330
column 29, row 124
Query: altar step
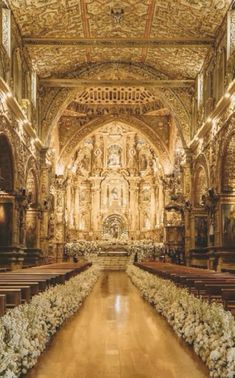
column 115, row 262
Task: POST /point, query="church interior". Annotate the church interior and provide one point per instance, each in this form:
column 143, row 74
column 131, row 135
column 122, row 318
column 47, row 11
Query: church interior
column 117, row 183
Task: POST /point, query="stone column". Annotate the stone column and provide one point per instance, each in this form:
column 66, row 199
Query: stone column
column 153, row 207
column 69, row 206
column 95, row 204
column 187, row 194
column 45, row 204
column 60, row 190
column 134, row 225
column 156, row 206
column 76, row 205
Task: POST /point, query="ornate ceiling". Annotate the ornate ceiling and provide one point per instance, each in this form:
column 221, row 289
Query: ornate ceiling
column 127, row 21
column 147, row 41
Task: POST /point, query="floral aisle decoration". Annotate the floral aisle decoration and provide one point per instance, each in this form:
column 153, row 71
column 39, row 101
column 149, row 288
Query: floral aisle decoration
column 81, row 248
column 145, row 249
column 207, row 327
column 26, row 330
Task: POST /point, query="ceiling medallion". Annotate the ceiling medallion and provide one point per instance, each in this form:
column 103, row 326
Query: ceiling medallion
column 117, row 14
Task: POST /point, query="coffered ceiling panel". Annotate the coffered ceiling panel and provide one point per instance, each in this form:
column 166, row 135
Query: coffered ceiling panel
column 125, row 19
column 116, row 54
column 48, row 60
column 49, row 18
column 129, row 20
column 169, row 61
column 181, row 63
column 188, row 18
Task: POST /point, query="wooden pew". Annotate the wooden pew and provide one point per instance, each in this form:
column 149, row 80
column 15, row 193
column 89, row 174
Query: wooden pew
column 228, row 296
column 13, row 296
column 208, row 284
column 19, row 286
column 34, row 286
column 25, row 291
column 40, row 282
column 2, row 304
column 48, row 279
column 214, row 290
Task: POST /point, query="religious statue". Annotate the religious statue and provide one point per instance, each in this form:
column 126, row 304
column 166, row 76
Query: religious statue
column 85, row 163
column 131, row 158
column 114, row 194
column 98, row 163
column 51, row 226
column 143, row 163
column 114, row 230
column 114, row 158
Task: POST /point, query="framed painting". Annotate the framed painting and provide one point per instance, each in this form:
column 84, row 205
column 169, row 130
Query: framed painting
column 5, row 224
column 228, row 225
column 201, row 232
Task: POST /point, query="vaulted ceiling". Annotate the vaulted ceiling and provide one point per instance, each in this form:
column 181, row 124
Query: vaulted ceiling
column 98, row 59
column 173, row 37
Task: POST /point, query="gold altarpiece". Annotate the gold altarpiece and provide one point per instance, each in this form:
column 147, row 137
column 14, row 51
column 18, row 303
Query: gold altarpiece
column 113, row 188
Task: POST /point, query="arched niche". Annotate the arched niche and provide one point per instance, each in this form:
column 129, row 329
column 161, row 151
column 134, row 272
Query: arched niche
column 228, row 166
column 6, row 165
column 114, row 226
column 200, row 185
column 32, row 214
column 6, row 187
column 31, row 187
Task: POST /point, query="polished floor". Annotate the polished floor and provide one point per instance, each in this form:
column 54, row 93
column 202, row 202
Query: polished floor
column 117, row 335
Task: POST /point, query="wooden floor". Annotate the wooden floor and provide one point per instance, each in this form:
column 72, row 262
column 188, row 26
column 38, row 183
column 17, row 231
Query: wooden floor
column 116, row 334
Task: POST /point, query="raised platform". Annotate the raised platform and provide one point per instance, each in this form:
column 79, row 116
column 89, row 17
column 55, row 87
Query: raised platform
column 113, row 253
column 113, row 260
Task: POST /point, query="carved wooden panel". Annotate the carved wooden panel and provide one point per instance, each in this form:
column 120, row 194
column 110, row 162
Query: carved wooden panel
column 48, row 18
column 200, row 186
column 130, row 19
column 228, row 166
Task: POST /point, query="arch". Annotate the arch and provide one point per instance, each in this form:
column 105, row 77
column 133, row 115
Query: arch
column 32, row 179
column 225, row 137
column 6, row 164
column 201, row 179
column 31, row 187
column 7, row 174
column 87, row 130
column 114, row 226
column 170, row 97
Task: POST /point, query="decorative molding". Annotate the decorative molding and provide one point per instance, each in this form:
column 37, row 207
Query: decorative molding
column 220, row 110
column 121, row 42
column 82, row 83
column 133, row 122
column 12, row 103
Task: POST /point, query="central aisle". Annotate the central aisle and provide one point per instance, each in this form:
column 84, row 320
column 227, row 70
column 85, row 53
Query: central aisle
column 116, row 334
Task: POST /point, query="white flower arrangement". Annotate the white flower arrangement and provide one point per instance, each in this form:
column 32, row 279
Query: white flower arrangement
column 145, row 249
column 207, row 327
column 81, row 248
column 26, row 329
